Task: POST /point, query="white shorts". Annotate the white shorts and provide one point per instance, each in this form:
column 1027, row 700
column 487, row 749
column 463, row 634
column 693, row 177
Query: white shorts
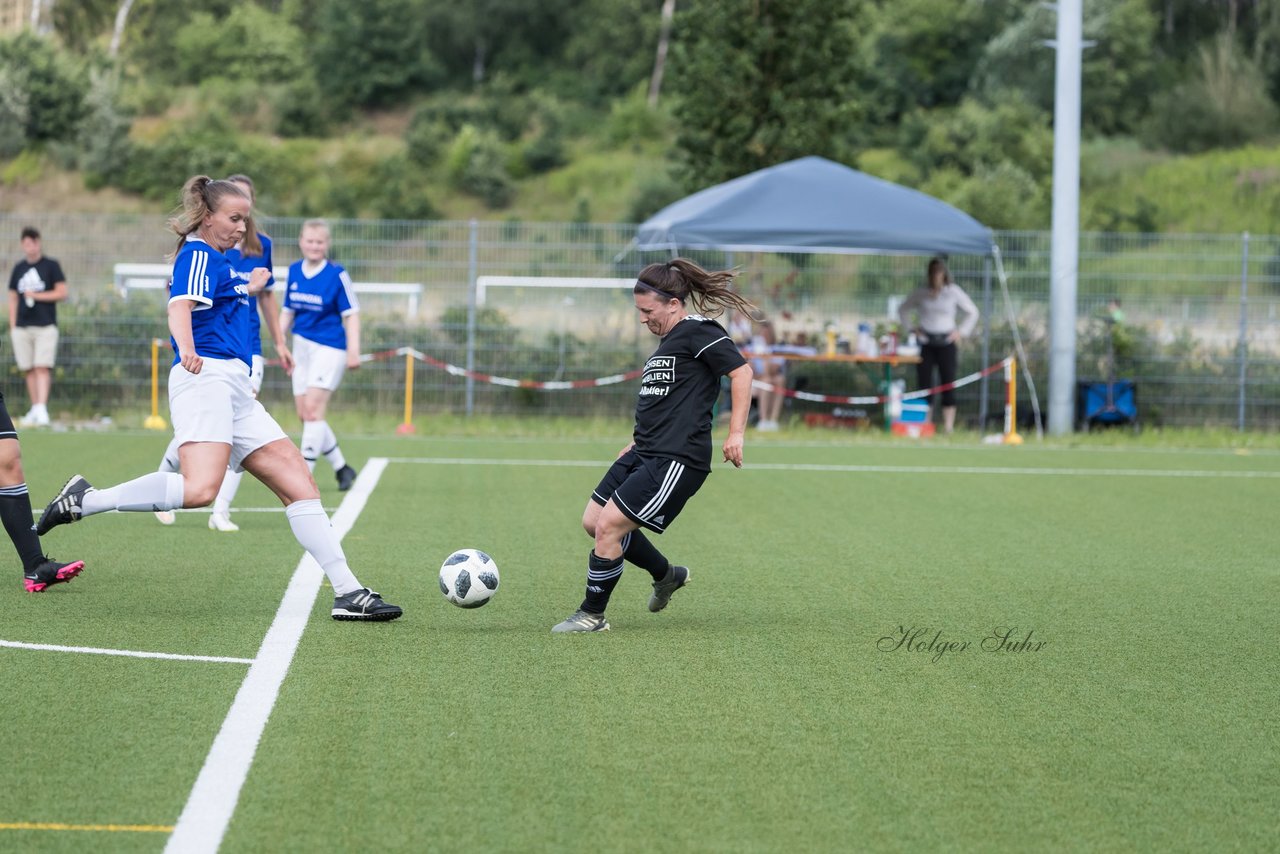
column 217, row 405
column 316, row 366
column 256, row 370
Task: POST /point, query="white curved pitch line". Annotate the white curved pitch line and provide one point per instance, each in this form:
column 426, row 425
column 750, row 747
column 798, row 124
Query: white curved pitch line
column 127, row 653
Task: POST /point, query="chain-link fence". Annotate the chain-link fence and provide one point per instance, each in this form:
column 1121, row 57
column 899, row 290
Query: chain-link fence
column 1199, row 339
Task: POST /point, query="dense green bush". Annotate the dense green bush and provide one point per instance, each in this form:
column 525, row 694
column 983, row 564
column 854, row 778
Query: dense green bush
column 653, row 192
column 13, row 113
column 544, row 147
column 427, row 136
column 476, row 164
column 156, row 170
column 1226, row 105
column 633, row 122
column 45, row 88
column 400, row 191
column 103, row 144
column 300, row 109
column 999, row 196
column 495, row 109
column 975, row 135
column 251, row 44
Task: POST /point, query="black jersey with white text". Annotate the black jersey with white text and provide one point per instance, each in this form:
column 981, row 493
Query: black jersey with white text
column 679, row 390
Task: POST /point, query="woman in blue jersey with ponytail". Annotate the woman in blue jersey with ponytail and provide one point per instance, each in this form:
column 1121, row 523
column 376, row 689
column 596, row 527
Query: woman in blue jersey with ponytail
column 253, row 251
column 216, row 418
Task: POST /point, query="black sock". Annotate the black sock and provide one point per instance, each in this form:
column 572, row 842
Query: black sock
column 15, row 511
column 637, row 549
column 602, row 577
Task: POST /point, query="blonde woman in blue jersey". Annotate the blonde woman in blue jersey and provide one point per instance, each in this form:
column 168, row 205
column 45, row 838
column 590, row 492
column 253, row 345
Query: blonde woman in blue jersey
column 250, row 253
column 216, row 417
column 320, row 306
column 669, row 457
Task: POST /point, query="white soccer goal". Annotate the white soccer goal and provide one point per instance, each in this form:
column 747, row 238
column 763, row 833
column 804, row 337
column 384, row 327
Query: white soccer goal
column 483, row 283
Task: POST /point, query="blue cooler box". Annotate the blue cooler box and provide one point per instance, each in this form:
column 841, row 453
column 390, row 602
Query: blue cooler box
column 914, row 412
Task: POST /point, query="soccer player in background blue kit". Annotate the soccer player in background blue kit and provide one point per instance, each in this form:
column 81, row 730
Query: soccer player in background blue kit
column 320, row 305
column 252, row 252
column 216, row 418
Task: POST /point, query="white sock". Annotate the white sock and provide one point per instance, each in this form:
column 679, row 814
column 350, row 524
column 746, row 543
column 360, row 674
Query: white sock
column 39, row 410
column 312, row 529
column 227, row 492
column 170, row 462
column 312, row 437
column 156, row 491
column 330, row 442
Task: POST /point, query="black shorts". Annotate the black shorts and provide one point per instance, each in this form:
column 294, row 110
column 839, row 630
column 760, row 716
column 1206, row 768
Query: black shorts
column 650, row 491
column 7, row 430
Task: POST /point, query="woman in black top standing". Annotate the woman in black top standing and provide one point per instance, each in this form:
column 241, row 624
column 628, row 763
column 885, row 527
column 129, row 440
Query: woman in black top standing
column 669, row 457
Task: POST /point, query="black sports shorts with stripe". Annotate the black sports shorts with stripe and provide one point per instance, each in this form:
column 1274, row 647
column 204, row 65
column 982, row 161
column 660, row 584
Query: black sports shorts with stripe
column 651, row 491
column 7, row 430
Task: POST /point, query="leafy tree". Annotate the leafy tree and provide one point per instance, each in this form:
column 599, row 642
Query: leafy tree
column 153, row 27
column 251, row 44
column 371, row 54
column 1119, row 73
column 103, row 146
column 78, row 24
column 922, row 53
column 973, row 135
column 759, row 82
column 48, row 84
column 477, row 38
column 610, row 48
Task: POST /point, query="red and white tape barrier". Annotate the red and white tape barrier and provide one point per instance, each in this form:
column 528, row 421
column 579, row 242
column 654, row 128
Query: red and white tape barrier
column 454, row 370
column 881, row 398
column 613, row 379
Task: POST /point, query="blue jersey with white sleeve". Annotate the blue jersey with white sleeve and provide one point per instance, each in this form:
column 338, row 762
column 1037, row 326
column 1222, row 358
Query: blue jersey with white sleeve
column 220, row 316
column 245, row 266
column 320, row 302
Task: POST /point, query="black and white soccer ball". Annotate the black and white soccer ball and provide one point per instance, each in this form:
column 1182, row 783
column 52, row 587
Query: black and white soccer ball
column 469, row 578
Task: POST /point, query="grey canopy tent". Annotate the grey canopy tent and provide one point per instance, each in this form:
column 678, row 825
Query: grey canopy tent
column 813, row 205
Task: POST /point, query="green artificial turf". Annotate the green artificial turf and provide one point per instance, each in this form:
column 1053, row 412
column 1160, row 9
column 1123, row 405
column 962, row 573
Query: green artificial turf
column 774, row 706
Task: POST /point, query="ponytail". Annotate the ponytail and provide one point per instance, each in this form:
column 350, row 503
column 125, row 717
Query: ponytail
column 710, row 292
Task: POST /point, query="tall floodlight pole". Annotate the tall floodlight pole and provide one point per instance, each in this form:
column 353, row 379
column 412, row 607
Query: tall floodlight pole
column 1065, row 254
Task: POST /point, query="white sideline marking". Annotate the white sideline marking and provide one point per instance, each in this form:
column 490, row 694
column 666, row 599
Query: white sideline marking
column 462, row 461
column 1013, row 470
column 234, row 510
column 213, row 798
column 128, row 653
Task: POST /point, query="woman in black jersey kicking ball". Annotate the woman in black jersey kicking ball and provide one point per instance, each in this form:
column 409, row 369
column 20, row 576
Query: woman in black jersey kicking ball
column 670, row 452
